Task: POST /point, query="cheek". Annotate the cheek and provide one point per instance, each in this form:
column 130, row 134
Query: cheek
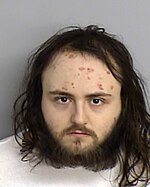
column 48, row 113
column 54, row 122
column 105, row 122
column 105, row 125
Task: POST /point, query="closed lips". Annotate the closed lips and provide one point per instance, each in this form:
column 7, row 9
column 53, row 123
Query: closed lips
column 78, row 132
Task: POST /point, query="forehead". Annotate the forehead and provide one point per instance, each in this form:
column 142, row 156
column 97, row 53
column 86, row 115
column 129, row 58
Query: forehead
column 78, row 69
column 76, row 61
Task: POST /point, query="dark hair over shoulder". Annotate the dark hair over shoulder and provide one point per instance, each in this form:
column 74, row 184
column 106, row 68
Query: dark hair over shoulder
column 135, row 140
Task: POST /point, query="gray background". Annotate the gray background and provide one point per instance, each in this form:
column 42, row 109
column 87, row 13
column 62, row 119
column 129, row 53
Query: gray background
column 25, row 24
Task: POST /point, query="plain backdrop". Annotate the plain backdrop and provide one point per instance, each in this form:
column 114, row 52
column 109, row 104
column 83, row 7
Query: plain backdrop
column 25, row 24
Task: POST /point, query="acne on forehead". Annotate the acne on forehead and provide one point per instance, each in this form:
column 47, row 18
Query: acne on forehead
column 81, row 68
column 86, row 69
column 89, row 70
column 100, row 86
column 64, row 88
column 76, row 66
column 73, row 85
column 68, row 53
column 85, row 61
column 66, row 85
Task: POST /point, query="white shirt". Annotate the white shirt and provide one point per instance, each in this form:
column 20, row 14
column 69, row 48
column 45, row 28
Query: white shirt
column 16, row 173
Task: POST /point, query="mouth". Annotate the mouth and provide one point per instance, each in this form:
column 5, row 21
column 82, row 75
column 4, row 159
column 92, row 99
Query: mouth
column 78, row 133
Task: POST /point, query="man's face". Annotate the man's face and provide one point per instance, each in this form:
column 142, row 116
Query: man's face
column 80, row 102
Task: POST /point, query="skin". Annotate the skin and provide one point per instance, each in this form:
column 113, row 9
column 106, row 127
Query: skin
column 80, row 102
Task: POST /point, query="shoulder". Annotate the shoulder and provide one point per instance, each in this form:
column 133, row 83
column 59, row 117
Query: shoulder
column 8, row 148
column 10, row 159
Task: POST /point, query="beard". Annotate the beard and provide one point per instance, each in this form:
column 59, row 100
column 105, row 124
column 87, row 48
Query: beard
column 102, row 156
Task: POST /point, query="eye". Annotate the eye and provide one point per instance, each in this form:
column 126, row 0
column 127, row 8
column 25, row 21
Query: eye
column 96, row 101
column 62, row 99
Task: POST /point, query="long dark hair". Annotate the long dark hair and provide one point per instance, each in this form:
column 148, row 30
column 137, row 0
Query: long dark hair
column 135, row 142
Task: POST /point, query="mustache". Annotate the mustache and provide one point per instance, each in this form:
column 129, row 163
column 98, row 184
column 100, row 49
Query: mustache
column 82, row 128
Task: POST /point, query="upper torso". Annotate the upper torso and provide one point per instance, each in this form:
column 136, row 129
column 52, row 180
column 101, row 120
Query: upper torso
column 16, row 173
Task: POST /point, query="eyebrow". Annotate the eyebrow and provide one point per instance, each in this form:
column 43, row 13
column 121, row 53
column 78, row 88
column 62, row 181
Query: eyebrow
column 95, row 94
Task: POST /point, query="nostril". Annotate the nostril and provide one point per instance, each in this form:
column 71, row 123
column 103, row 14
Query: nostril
column 79, row 124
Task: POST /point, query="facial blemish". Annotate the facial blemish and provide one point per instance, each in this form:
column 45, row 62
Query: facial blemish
column 100, row 86
column 64, row 88
column 81, row 68
column 115, row 119
column 111, row 87
column 72, row 84
column 108, row 72
column 90, row 70
column 88, row 78
column 71, row 55
column 78, row 74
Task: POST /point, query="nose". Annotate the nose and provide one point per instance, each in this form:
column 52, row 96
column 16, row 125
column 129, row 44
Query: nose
column 79, row 116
